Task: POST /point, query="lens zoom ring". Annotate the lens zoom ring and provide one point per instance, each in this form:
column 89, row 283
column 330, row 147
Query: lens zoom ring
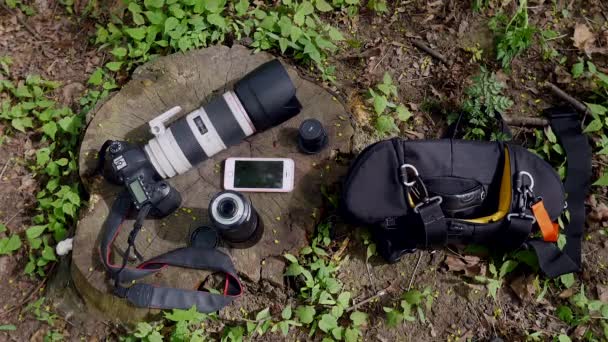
column 187, row 142
column 224, row 121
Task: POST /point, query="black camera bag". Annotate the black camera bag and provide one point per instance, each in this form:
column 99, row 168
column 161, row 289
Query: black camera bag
column 431, row 193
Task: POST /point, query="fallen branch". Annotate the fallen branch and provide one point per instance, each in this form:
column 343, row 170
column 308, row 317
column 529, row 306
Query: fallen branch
column 30, row 295
column 581, row 107
column 524, row 121
column 409, row 287
column 422, row 46
column 378, row 294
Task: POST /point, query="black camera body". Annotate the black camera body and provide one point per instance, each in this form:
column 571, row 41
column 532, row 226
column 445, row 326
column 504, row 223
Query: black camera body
column 127, row 165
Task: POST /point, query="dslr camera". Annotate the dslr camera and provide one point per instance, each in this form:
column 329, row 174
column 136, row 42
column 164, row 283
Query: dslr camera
column 264, row 98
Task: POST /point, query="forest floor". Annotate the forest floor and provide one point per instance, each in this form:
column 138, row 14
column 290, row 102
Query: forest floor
column 59, row 47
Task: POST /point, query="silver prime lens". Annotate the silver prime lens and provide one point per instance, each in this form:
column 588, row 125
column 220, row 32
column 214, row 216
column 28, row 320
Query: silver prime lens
column 264, row 98
column 235, row 218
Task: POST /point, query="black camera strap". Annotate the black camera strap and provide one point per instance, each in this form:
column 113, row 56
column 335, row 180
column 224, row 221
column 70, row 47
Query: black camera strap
column 151, row 296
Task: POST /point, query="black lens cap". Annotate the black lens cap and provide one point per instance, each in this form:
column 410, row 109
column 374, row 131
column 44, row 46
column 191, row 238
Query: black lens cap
column 312, row 137
column 204, row 237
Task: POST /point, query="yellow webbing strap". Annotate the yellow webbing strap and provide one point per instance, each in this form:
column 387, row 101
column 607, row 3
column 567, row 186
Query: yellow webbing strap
column 504, row 200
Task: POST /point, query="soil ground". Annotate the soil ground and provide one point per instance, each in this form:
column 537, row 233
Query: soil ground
column 60, row 50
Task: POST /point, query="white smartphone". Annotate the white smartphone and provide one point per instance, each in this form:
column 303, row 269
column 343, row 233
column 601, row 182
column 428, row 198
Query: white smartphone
column 259, row 174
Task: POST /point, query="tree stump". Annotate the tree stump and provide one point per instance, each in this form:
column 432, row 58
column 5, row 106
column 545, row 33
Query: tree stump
column 190, row 80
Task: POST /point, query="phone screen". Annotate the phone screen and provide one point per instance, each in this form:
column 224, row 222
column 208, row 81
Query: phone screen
column 258, row 174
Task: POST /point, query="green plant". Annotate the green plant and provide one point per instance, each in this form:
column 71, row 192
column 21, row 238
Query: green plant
column 495, row 282
column 383, row 99
column 484, row 99
column 377, row 5
column 479, row 5
column 581, row 311
column 26, row 9
column 547, row 147
column 413, row 302
column 512, row 37
column 325, row 301
column 598, row 106
column 41, row 313
column 159, row 27
column 9, row 244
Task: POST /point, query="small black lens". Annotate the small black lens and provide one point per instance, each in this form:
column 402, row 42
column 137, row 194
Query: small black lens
column 227, row 208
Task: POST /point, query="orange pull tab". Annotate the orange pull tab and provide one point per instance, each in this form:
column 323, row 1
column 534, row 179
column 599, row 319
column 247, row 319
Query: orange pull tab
column 549, row 229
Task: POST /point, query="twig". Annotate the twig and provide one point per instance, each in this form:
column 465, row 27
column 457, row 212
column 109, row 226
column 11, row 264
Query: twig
column 430, row 51
column 524, row 121
column 12, row 217
column 5, row 166
column 380, row 61
column 564, row 96
column 20, row 20
column 378, row 294
column 28, row 298
column 414, row 273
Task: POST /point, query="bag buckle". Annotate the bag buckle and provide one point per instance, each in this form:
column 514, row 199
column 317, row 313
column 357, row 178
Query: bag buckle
column 432, row 200
column 522, row 216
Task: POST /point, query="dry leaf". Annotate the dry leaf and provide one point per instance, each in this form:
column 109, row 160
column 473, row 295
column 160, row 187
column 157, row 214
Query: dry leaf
column 454, row 263
column 567, row 293
column 602, row 293
column 523, row 286
column 583, row 37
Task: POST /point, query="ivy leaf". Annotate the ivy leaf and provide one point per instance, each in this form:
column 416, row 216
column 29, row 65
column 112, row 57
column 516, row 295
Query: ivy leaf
column 403, row 114
column 190, row 315
column 50, row 128
column 328, row 323
column 305, row 314
column 241, row 7
column 311, row 50
column 602, row 181
column 155, row 17
column 119, row 52
column 385, row 124
column 217, row 20
column 34, row 231
column 323, row 6
column 2, row 228
column 263, row 315
column 96, row 77
column 154, row 3
column 170, row 24
column 137, row 33
column 578, row 69
column 593, row 126
column 563, row 338
column 344, row 299
column 358, row 318
column 9, row 245
column 380, row 103
column 351, row 335
column 69, row 124
column 114, row 66
column 21, row 124
column 335, row 34
column 22, row 91
column 48, row 253
column 304, row 9
column 597, row 110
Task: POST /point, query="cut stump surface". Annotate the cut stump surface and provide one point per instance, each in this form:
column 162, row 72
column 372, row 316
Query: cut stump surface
column 190, row 80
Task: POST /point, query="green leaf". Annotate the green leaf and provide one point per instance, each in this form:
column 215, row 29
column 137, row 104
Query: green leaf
column 22, row 91
column 217, row 20
column 96, row 77
column 263, row 315
column 380, row 103
column 43, row 156
column 563, row 338
column 119, row 52
column 337, row 333
column 393, row 317
column 50, row 128
column 114, row 66
column 596, row 109
column 2, row 228
column 241, row 7
column 170, row 24
column 358, row 318
column 333, row 285
column 155, row 17
column 48, row 253
column 34, row 231
column 190, row 315
column 311, row 50
column 305, row 314
column 21, row 124
column 304, row 9
column 507, row 267
column 351, row 335
column 323, row 6
column 154, row 3
column 578, row 69
column 328, row 323
column 138, row 33
column 602, row 181
column 593, row 126
column 290, row 258
column 403, row 114
column 385, row 124
column 8, row 327
column 335, row 34
column 9, row 244
column 69, row 124
column 283, row 44
column 286, row 313
column 344, row 299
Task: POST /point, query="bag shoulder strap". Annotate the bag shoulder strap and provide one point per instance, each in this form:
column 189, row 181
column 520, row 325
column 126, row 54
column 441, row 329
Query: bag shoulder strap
column 567, row 127
column 151, row 296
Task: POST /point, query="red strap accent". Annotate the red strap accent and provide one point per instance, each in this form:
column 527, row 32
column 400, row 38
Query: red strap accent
column 548, row 229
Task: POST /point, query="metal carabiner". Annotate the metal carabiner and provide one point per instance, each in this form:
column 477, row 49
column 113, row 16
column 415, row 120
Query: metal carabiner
column 404, row 177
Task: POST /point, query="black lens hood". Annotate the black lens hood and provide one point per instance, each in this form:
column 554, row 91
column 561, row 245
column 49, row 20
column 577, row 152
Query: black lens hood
column 268, row 95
